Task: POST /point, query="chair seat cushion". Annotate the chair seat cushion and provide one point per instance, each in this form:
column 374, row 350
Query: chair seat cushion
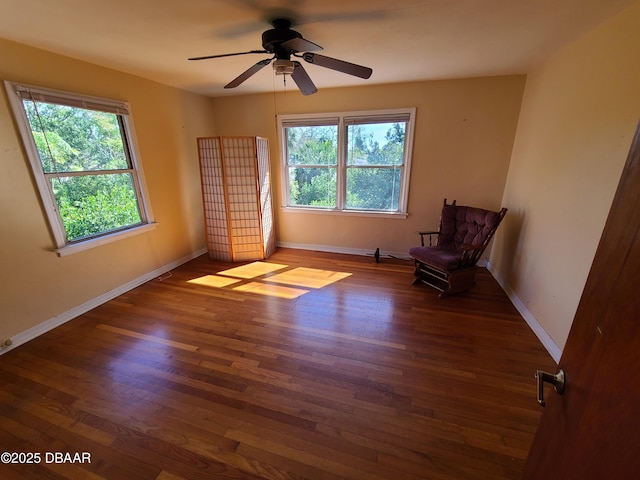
column 439, row 257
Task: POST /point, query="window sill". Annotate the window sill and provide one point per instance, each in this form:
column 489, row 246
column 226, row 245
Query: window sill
column 345, row 213
column 96, row 242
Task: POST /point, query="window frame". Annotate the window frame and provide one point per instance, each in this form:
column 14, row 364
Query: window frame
column 16, row 92
column 342, row 120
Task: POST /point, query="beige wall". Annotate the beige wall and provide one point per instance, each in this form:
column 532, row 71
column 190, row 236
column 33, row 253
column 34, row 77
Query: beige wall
column 579, row 114
column 35, row 284
column 463, row 140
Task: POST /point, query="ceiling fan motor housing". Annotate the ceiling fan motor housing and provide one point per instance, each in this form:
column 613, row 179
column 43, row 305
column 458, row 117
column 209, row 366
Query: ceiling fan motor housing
column 272, row 39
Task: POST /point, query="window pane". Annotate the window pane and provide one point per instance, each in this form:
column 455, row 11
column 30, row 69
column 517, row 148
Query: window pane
column 93, row 204
column 71, row 139
column 373, row 188
column 315, row 145
column 376, row 144
column 312, row 187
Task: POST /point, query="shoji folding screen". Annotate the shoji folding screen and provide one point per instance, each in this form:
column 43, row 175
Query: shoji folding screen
column 236, row 190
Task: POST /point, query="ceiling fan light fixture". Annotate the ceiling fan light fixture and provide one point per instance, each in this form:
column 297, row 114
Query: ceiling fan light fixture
column 283, row 67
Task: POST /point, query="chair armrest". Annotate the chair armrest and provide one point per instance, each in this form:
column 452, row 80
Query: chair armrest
column 470, row 254
column 423, row 233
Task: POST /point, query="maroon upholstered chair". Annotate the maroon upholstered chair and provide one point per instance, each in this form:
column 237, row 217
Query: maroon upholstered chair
column 450, row 264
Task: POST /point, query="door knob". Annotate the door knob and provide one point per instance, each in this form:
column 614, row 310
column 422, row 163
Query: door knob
column 557, row 380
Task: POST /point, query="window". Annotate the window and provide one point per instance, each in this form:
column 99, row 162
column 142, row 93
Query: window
column 82, row 155
column 353, row 163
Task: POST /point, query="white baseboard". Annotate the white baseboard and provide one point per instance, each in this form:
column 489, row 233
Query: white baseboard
column 30, row 334
column 349, row 251
column 543, row 336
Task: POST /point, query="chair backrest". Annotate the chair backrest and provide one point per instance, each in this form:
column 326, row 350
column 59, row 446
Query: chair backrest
column 469, row 226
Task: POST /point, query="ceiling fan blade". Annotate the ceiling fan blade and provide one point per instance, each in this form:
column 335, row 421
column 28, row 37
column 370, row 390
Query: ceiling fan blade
column 248, row 73
column 303, row 80
column 300, row 44
column 339, row 65
column 227, row 55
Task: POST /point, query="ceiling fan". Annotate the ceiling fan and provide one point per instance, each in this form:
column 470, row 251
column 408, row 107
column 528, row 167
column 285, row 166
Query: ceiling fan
column 284, row 43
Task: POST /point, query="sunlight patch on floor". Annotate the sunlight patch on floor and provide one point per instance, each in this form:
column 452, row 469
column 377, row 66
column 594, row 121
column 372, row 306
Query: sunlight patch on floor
column 252, row 270
column 271, row 290
column 214, row 281
column 289, row 284
column 308, row 277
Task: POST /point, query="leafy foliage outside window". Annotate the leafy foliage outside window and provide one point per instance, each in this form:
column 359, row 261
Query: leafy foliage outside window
column 374, row 165
column 85, row 159
column 366, row 174
column 312, row 153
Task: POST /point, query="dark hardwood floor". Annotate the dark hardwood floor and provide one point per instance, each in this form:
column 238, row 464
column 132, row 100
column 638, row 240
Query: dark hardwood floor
column 305, row 366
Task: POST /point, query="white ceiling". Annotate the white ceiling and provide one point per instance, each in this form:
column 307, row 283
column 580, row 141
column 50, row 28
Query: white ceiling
column 402, row 40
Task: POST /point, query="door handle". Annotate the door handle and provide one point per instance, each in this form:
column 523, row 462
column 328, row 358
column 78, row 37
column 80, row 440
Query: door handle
column 557, row 380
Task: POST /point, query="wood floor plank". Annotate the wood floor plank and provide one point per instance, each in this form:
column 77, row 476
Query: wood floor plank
column 308, row 365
